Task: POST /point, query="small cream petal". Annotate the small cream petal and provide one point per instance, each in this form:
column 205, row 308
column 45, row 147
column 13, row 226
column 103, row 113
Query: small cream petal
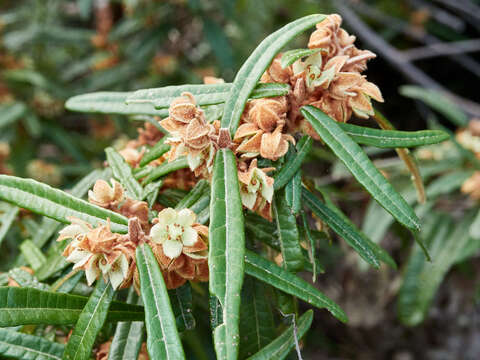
column 79, row 257
column 194, row 160
column 248, row 199
column 167, row 216
column 190, row 236
column 116, row 278
column 91, row 273
column 186, row 217
column 158, row 233
column 172, row 248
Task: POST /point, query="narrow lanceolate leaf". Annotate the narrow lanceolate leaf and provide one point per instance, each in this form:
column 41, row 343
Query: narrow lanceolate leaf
column 345, row 230
column 33, row 254
column 446, row 241
column 293, row 193
column 90, row 322
column 392, row 138
column 123, row 173
column 287, row 232
column 202, row 187
column 226, row 251
column 293, row 163
column 311, row 246
column 256, row 318
column 438, row 102
column 49, row 226
column 27, row 306
column 361, row 167
column 24, row 279
column 182, row 306
column 128, row 338
column 163, row 341
column 18, row 345
column 9, row 113
column 289, row 57
column 204, row 94
column 282, row 345
column 257, row 62
column 406, row 157
column 7, row 220
column 270, row 273
column 56, row 204
column 155, row 152
column 162, row 170
column 109, row 103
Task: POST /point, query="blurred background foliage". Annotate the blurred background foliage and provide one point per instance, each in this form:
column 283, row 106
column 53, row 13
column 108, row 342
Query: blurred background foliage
column 51, row 50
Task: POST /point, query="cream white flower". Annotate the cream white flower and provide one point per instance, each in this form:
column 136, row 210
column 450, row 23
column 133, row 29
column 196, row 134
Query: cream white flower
column 174, row 231
column 255, row 182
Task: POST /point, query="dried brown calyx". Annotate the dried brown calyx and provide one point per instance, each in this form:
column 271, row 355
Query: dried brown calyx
column 191, row 134
column 261, row 132
column 472, row 186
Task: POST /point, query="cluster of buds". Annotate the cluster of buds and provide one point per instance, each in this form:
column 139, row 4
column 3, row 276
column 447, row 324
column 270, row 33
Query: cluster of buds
column 100, row 252
column 180, row 246
column 191, row 134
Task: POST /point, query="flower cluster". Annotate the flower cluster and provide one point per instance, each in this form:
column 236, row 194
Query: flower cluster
column 179, row 244
column 100, row 252
column 191, row 134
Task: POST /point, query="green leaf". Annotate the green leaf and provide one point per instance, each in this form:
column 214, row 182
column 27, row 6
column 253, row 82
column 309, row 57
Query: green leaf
column 194, row 195
column 9, row 113
column 290, row 56
column 128, row 338
column 293, row 193
column 265, row 231
column 155, row 152
column 109, row 103
column 17, row 345
column 54, row 263
column 287, row 233
column 436, row 101
column 164, row 169
column 345, row 230
column 282, row 345
column 448, row 183
column 361, row 167
column 56, row 204
column 123, row 173
column 90, row 322
column 219, row 43
column 27, row 306
column 7, row 220
column 163, row 341
column 226, row 251
column 281, row 279
column 445, row 241
column 251, row 71
column 25, row 279
column 256, row 321
column 311, row 246
column 393, row 138
column 33, row 254
column 293, row 163
column 204, row 94
column 182, row 306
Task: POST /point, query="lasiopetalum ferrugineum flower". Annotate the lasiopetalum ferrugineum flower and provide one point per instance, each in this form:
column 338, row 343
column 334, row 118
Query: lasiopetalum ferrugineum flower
column 256, row 188
column 99, row 252
column 180, row 246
